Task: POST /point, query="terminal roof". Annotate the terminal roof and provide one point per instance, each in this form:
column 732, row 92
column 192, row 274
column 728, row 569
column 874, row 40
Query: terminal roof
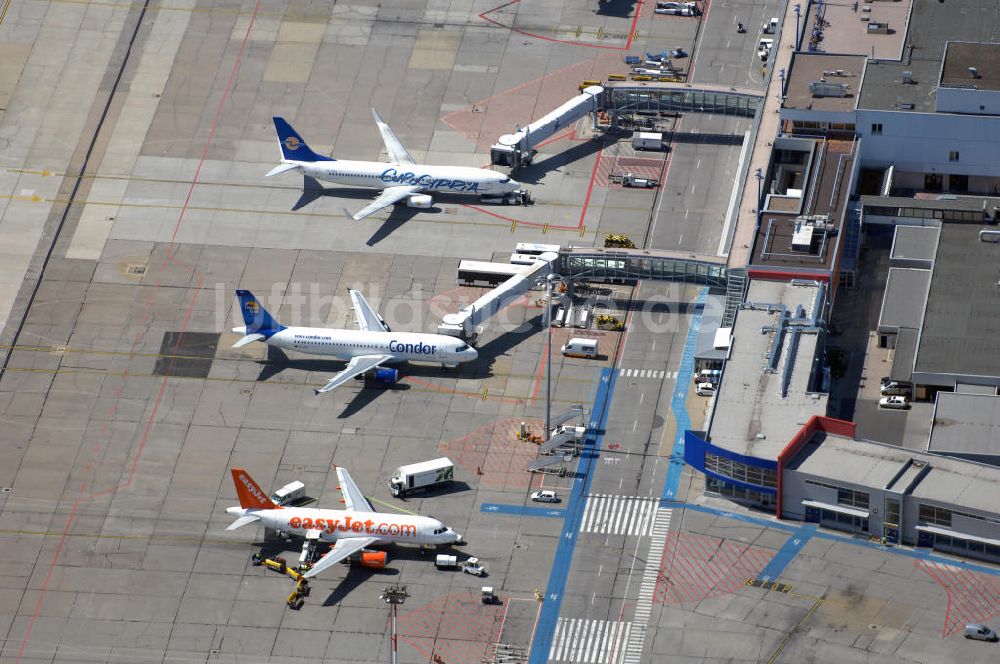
column 960, row 56
column 915, row 243
column 807, row 68
column 950, row 482
column 751, row 415
column 961, row 327
column 903, row 302
column 930, row 25
column 966, row 424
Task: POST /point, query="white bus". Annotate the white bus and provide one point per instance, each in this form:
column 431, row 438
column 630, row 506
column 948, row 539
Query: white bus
column 531, row 249
column 474, row 273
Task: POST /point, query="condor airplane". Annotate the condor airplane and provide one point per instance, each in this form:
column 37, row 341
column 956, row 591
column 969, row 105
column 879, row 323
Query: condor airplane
column 351, row 530
column 363, row 350
column 399, row 178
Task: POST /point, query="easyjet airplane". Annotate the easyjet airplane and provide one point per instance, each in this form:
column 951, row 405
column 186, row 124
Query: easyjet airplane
column 352, row 530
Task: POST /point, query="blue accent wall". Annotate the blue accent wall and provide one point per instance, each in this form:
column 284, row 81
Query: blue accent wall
column 695, row 448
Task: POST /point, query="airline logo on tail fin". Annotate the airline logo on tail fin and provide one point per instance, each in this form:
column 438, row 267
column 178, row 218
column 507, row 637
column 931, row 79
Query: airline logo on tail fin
column 256, row 317
column 293, row 148
column 250, row 494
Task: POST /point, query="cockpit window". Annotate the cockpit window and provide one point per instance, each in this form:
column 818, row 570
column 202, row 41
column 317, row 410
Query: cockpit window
column 461, row 348
column 505, row 180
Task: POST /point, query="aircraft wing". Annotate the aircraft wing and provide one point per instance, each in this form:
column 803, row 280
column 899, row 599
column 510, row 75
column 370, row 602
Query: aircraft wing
column 341, row 549
column 353, row 498
column 397, row 153
column 389, row 196
column 368, row 318
column 358, row 365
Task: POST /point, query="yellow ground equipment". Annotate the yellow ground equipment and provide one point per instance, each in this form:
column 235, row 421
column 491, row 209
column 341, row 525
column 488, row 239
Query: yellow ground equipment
column 280, row 565
column 615, row 241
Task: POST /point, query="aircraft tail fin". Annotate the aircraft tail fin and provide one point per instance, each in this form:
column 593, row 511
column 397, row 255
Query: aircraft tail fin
column 249, row 492
column 293, row 148
column 256, row 317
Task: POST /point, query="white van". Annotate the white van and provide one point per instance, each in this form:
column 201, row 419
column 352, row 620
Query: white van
column 577, row 347
column 705, row 390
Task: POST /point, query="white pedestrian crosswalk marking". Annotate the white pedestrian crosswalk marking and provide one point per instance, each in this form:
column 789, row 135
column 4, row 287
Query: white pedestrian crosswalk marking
column 618, row 515
column 644, row 603
column 586, row 641
column 638, row 372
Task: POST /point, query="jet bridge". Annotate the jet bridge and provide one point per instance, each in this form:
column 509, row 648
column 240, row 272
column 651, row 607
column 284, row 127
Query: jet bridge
column 516, row 150
column 468, row 320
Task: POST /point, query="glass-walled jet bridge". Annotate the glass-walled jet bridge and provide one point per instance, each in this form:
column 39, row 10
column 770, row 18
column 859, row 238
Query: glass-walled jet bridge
column 631, row 265
column 626, row 97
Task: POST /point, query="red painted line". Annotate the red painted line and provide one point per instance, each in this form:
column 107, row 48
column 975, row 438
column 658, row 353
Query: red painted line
column 163, row 384
column 590, row 188
column 541, row 367
column 628, row 42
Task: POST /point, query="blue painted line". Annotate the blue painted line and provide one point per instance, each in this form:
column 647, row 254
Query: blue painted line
column 678, row 404
column 522, row 510
column 546, row 628
column 791, row 548
column 745, row 518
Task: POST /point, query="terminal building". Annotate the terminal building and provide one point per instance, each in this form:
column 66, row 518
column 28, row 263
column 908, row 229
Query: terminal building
column 882, row 191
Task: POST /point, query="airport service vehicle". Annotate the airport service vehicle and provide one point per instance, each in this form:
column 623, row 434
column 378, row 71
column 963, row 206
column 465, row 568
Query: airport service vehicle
column 897, row 402
column 577, row 347
column 980, row 632
column 351, row 530
column 421, row 476
column 545, row 496
column 647, row 140
column 400, row 178
column 770, row 27
column 629, row 180
column 364, row 350
column 705, row 390
column 471, row 566
column 289, row 493
column 764, row 49
column 889, row 387
column 471, row 273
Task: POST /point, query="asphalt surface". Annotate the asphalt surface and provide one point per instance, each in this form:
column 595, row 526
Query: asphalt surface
column 134, row 142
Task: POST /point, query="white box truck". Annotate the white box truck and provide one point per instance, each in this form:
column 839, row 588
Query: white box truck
column 647, row 140
column 421, row 476
column 289, row 493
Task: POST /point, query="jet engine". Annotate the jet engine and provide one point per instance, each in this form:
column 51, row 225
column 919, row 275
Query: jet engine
column 374, row 559
column 385, row 375
column 419, row 201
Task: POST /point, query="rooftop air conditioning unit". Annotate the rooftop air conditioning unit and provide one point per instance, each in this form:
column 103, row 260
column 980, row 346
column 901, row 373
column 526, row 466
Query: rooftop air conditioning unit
column 907, row 77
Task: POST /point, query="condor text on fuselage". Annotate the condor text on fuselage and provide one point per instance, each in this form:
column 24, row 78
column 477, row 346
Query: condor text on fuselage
column 345, row 344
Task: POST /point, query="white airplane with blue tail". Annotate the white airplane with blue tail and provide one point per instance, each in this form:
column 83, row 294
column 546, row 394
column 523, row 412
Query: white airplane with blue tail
column 364, row 350
column 399, row 179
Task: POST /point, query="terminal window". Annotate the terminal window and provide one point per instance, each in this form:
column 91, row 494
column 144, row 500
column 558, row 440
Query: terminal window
column 852, row 498
column 876, row 127
column 953, row 155
column 741, row 471
column 936, row 515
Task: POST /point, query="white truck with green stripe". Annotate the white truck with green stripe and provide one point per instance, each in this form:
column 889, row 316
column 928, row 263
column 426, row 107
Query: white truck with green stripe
column 421, row 476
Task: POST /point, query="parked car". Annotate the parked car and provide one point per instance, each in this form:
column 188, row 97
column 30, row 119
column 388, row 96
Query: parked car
column 895, row 387
column 705, row 390
column 545, row 496
column 897, row 402
column 980, row 632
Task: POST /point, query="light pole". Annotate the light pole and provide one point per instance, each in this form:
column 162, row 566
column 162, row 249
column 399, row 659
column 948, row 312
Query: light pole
column 798, row 11
column 394, row 596
column 549, row 280
column 759, row 174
